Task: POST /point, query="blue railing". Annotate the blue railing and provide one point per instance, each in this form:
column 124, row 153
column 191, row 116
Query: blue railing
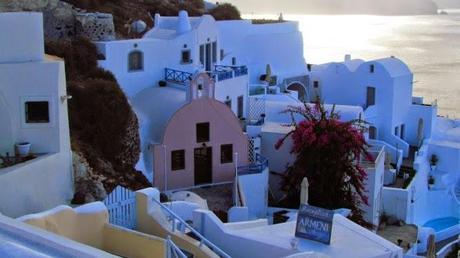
column 177, row 76
column 257, row 167
column 223, row 72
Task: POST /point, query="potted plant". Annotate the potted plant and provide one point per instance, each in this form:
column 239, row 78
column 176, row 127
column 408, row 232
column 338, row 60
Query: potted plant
column 162, row 83
column 23, row 148
column 433, row 162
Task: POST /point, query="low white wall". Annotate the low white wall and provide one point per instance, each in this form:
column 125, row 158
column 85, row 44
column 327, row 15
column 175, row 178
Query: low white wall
column 278, row 159
column 24, row 42
column 215, row 231
column 183, row 209
column 395, row 202
column 255, row 190
column 36, row 185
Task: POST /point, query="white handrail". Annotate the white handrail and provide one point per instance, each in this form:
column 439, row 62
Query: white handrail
column 172, row 250
column 183, row 225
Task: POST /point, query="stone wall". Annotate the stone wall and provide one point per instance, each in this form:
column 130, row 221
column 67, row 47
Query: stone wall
column 62, row 20
column 95, row 26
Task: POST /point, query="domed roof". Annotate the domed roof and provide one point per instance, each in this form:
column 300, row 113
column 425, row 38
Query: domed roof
column 154, row 108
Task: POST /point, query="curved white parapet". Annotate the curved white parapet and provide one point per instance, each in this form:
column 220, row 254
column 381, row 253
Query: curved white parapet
column 188, row 196
column 25, row 40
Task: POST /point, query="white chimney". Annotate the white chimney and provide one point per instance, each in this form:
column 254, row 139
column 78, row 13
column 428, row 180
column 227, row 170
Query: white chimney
column 157, row 20
column 183, row 23
column 347, row 58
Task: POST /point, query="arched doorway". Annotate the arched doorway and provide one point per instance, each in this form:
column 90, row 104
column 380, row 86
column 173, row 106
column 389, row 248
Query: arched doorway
column 302, row 93
column 420, row 131
column 372, row 133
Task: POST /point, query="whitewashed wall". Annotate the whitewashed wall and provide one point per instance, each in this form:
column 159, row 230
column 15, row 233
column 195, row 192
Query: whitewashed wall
column 22, row 37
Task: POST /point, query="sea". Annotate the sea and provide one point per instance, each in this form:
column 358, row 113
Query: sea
column 430, row 45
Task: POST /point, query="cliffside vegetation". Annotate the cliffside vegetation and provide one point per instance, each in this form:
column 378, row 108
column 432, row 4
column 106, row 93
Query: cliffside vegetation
column 104, row 129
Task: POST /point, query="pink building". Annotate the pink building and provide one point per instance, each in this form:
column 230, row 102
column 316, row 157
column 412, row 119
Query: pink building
column 195, row 139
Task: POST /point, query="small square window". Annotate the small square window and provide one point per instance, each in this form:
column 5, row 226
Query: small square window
column 186, row 57
column 178, row 160
column 37, row 112
column 371, row 68
column 315, row 84
column 226, row 153
column 202, row 132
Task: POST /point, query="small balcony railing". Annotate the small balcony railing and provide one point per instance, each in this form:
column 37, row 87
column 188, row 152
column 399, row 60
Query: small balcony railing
column 223, row 72
column 176, row 76
column 260, row 164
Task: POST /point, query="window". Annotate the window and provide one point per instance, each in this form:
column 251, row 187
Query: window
column 177, row 160
column 315, row 84
column 370, row 96
column 233, row 60
column 228, row 102
column 222, row 54
column 240, row 106
column 214, row 52
column 186, row 57
column 136, row 61
column 226, row 153
column 37, row 112
column 396, row 130
column 371, row 68
column 403, row 129
column 202, row 132
column 373, row 132
column 202, row 54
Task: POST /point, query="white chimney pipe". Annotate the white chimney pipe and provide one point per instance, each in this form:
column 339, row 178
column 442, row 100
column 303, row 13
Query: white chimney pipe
column 347, row 58
column 183, row 24
column 157, row 20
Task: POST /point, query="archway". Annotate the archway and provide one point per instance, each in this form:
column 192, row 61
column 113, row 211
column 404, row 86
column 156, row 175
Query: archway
column 302, row 93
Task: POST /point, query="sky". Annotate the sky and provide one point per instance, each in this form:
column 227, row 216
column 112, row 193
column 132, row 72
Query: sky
column 342, row 6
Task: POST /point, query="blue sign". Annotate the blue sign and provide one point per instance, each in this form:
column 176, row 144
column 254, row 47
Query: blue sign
column 314, row 223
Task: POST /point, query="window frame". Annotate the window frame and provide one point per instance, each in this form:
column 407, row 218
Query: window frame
column 224, row 159
column 204, row 139
column 240, row 103
column 51, row 111
column 182, row 60
column 315, row 84
column 141, row 55
column 182, row 165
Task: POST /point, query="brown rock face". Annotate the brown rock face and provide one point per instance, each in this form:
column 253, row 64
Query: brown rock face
column 104, row 129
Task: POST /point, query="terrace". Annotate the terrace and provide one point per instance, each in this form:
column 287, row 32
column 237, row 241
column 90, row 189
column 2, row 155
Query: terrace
column 220, row 73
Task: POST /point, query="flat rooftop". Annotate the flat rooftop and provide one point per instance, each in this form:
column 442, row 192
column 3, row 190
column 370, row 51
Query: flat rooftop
column 348, row 240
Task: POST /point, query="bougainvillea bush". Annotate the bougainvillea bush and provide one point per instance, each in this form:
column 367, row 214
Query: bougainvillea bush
column 327, row 152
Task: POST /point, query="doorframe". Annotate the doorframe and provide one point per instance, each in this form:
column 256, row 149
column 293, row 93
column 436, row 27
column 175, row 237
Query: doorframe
column 209, row 154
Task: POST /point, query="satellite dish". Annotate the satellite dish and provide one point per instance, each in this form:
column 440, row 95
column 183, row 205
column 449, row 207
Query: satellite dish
column 138, row 26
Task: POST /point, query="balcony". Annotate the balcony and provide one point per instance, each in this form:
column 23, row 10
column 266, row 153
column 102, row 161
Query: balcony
column 260, row 164
column 176, row 76
column 222, row 72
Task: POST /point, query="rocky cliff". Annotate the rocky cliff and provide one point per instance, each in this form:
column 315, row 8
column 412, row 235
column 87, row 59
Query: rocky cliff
column 104, row 129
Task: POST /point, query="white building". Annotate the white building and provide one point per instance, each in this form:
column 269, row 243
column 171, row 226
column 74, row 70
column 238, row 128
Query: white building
column 33, row 109
column 174, row 50
column 383, row 88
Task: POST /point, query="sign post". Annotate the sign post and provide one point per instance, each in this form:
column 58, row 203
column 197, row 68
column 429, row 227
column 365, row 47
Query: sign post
column 314, row 223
